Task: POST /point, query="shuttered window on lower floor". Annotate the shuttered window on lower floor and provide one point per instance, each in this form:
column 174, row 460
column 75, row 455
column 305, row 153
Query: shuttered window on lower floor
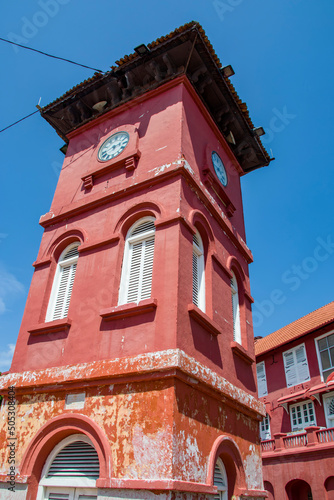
column 77, row 459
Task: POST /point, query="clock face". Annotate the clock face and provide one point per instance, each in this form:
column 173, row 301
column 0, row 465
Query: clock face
column 113, row 146
column 219, row 168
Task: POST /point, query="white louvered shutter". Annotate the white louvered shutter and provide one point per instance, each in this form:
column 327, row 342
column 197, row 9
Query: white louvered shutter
column 296, row 366
column 63, row 284
column 141, row 267
column 302, row 365
column 198, row 273
column 195, row 279
column 77, row 459
column 290, row 369
column 261, row 379
column 146, row 284
column 65, row 493
column 235, row 310
column 220, row 481
column 136, row 281
column 58, row 496
column 136, row 252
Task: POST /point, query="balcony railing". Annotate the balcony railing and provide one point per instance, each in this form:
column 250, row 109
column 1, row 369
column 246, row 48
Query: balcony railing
column 295, row 440
column 326, row 435
column 311, row 436
column 268, row 445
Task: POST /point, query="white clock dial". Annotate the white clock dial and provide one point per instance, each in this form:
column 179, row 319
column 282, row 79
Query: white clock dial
column 218, row 165
column 113, row 146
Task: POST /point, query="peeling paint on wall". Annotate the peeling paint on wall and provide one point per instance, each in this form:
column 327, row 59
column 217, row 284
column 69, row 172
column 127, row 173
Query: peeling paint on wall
column 152, row 453
column 144, row 363
column 253, row 469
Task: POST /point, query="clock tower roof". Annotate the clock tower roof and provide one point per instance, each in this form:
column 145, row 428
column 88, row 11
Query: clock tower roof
column 185, row 51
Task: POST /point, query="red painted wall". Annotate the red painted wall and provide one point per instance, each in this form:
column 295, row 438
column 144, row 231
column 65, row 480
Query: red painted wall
column 276, row 381
column 172, row 125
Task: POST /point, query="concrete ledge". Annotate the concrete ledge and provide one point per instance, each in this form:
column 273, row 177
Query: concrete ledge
column 100, row 371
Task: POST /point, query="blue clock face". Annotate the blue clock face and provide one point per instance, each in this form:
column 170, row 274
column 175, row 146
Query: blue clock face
column 219, row 168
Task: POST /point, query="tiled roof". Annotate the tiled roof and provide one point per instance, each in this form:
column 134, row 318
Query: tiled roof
column 298, row 328
column 127, row 58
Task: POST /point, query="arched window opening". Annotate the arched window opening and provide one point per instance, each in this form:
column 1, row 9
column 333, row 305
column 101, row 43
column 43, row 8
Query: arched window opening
column 298, row 489
column 235, row 310
column 77, row 459
column 70, row 472
column 137, row 270
column 270, row 490
column 220, row 480
column 329, row 488
column 63, row 283
column 198, row 272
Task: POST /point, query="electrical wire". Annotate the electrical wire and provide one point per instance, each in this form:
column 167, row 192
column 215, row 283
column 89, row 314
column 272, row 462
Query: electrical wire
column 18, row 121
column 49, row 55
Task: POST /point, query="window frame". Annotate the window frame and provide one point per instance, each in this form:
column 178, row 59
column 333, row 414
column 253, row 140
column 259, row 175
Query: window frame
column 265, row 422
column 325, row 397
column 198, row 254
column 62, row 264
column 236, row 309
column 222, row 491
column 295, row 364
column 304, row 424
column 127, row 260
column 265, row 377
column 319, row 353
column 67, row 482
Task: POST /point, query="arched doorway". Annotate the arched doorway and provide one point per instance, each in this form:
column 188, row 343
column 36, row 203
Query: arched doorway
column 225, row 470
column 329, row 488
column 270, row 490
column 70, row 471
column 49, row 440
column 298, row 490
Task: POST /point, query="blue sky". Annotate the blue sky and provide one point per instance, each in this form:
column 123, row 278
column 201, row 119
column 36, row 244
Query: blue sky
column 282, row 55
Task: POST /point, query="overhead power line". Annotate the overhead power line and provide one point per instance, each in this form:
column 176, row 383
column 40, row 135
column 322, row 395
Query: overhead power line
column 49, row 55
column 18, row 121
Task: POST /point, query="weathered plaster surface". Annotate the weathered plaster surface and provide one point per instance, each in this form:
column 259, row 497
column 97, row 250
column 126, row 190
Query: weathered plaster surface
column 151, row 453
column 150, row 495
column 144, row 363
column 137, row 420
column 19, row 493
column 253, row 468
column 188, row 455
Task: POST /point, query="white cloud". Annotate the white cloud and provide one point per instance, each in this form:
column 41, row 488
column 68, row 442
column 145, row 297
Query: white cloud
column 6, row 357
column 9, row 285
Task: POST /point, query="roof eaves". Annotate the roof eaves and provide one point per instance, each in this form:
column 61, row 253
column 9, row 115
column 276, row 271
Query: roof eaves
column 291, row 339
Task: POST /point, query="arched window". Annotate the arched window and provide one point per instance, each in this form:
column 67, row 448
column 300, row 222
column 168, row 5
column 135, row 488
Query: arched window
column 136, row 280
column 63, row 283
column 220, row 480
column 71, row 470
column 235, row 310
column 198, row 272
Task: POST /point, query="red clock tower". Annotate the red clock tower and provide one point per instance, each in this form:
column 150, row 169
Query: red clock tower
column 133, row 372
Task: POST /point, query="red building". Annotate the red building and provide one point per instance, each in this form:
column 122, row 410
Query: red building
column 134, row 371
column 295, row 371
